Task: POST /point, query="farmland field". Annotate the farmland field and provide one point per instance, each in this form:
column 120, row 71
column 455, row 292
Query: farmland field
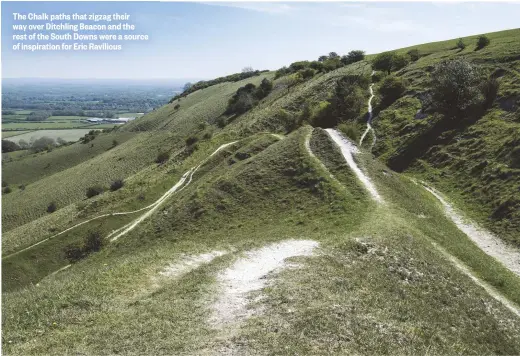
column 67, row 135
column 6, row 134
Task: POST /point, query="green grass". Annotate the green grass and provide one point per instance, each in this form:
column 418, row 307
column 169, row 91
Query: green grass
column 67, row 135
column 6, row 134
column 376, row 285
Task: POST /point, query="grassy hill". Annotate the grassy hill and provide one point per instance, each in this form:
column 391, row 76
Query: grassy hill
column 391, row 277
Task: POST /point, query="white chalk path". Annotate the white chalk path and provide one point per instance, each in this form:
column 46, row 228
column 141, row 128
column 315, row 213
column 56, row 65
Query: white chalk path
column 129, row 227
column 490, row 244
column 248, row 274
column 369, row 121
column 348, row 149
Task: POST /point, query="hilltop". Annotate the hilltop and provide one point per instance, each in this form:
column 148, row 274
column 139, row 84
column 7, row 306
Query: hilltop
column 260, row 214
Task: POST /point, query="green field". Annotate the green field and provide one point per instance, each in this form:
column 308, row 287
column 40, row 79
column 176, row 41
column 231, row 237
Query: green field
column 6, row 134
column 67, row 135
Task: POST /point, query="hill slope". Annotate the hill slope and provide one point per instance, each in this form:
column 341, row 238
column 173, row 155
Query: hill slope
column 261, row 234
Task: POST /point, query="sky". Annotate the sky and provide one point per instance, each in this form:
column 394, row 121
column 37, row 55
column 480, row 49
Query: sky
column 207, row 40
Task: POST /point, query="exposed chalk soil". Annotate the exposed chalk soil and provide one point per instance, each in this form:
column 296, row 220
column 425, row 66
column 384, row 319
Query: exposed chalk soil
column 248, row 274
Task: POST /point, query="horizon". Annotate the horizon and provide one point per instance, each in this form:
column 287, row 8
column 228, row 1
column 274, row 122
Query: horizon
column 209, row 40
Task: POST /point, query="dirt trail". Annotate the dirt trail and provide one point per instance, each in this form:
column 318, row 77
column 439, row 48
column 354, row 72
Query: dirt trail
column 490, row 244
column 491, row 291
column 348, row 149
column 248, row 274
column 130, row 226
column 369, row 121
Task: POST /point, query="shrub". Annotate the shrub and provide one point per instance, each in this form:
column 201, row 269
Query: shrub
column 21, row 186
column 266, row 86
column 7, row 190
column 307, row 73
column 460, row 44
column 207, row 135
column 73, row 253
column 93, row 191
column 482, row 42
column 177, row 106
column 489, row 89
column 8, row 146
column 93, row 242
column 350, row 130
column 51, row 208
column 383, row 61
column 191, row 140
column 116, row 185
column 114, row 143
column 162, row 157
column 353, row 56
column 399, row 61
column 221, row 122
column 4, row 183
column 391, row 89
column 455, row 85
column 414, row 54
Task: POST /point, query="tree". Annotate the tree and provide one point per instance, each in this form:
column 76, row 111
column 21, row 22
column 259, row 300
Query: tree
column 391, row 89
column 460, row 44
column 322, row 58
column 187, row 86
column 61, row 141
column 9, row 146
column 353, row 56
column 383, row 61
column 399, row 61
column 266, row 86
column 482, row 42
column 307, row 73
column 23, row 144
column 43, row 143
column 333, row 55
column 456, row 85
column 413, row 54
column 247, row 70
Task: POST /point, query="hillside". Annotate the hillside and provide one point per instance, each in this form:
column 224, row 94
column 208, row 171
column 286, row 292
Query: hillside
column 252, row 220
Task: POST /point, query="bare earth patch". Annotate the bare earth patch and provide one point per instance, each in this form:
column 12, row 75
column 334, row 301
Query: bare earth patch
column 189, row 263
column 248, row 274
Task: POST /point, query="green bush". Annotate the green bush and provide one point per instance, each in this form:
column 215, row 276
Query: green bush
column 399, row 61
column 391, row 89
column 93, row 191
column 456, row 85
column 383, row 61
column 116, row 185
column 460, row 44
column 414, row 54
column 51, row 208
column 353, row 57
column 177, row 106
column 482, row 42
column 350, row 130
column 489, row 89
column 191, row 140
column 162, row 157
column 93, row 242
column 307, row 73
column 7, row 190
column 73, row 253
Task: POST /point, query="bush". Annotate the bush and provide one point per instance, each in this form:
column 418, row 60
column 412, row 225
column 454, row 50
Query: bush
column 383, row 61
column 307, row 73
column 114, row 143
column 207, row 135
column 456, row 85
column 162, row 157
column 116, row 185
column 93, row 191
column 93, row 242
column 7, row 190
column 266, row 86
column 21, row 186
column 191, row 140
column 4, row 183
column 177, row 107
column 221, row 122
column 489, row 89
column 8, row 146
column 399, row 61
column 414, row 54
column 73, row 253
column 353, row 56
column 391, row 89
column 482, row 42
column 350, row 130
column 460, row 44
column 51, row 208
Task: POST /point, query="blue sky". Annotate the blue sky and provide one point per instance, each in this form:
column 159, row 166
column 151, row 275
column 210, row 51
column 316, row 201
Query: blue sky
column 206, row 40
